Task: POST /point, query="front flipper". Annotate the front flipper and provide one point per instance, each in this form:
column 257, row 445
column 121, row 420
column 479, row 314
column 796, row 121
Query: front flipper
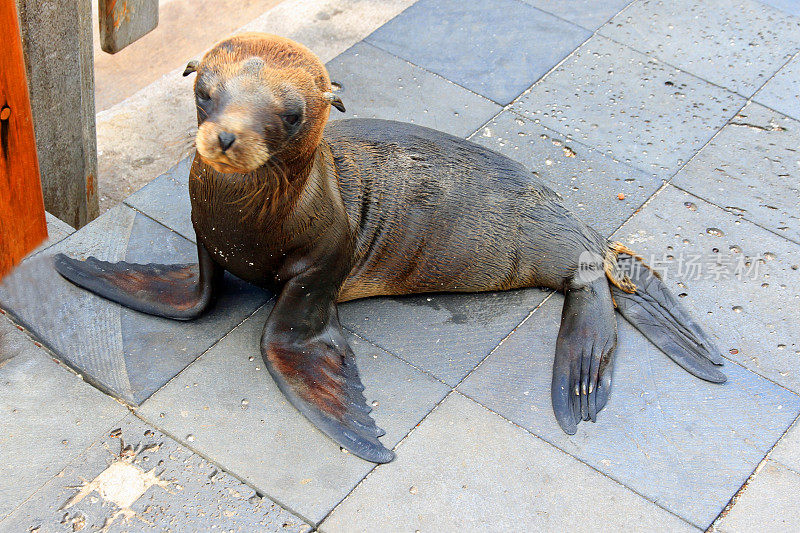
column 308, row 357
column 583, row 365
column 181, row 292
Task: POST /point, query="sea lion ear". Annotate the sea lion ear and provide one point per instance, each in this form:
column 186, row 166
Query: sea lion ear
column 191, row 66
column 334, row 100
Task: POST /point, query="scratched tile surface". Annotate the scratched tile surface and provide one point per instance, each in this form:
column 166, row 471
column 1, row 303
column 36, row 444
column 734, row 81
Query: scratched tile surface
column 751, row 169
column 48, row 416
column 128, row 354
column 135, row 479
column 735, row 44
column 590, row 183
column 642, row 111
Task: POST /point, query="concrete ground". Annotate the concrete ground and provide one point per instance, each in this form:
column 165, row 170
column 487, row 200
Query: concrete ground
column 186, row 28
column 671, row 127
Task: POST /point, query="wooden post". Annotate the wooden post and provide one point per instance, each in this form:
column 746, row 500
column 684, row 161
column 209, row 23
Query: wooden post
column 124, row 21
column 57, row 41
column 22, row 218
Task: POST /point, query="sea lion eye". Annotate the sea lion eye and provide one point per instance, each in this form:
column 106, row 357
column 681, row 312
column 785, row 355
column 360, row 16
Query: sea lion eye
column 203, row 95
column 291, row 119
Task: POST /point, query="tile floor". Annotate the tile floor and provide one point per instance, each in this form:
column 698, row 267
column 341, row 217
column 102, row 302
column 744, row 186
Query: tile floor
column 670, row 126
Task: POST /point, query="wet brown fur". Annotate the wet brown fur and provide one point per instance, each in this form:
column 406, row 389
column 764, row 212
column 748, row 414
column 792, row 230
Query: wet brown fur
column 407, row 210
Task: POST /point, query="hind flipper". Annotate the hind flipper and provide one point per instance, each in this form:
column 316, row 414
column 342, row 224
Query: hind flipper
column 654, row 311
column 180, row 292
column 307, row 355
column 583, row 365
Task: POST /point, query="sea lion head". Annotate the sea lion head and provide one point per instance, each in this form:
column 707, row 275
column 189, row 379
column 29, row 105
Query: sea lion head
column 260, row 97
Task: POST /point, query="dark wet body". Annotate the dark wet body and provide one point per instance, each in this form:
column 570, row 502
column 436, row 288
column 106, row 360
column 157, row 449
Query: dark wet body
column 400, row 209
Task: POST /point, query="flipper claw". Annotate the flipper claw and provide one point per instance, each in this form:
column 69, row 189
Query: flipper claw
column 584, row 349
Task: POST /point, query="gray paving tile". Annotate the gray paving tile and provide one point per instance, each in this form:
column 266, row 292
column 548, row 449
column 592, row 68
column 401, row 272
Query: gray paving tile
column 587, row 13
column 737, row 44
column 124, row 352
column 782, row 92
column 377, row 84
column 750, row 169
column 791, row 7
column 589, row 181
column 444, row 334
column 466, row 469
column 496, row 48
column 769, row 503
column 623, row 103
column 787, row 451
column 231, row 411
column 750, row 310
column 681, row 442
column 47, row 415
column 166, row 199
column 57, row 230
column 135, row 479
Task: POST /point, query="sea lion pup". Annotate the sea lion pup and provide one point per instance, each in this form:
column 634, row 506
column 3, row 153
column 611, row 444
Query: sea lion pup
column 361, row 208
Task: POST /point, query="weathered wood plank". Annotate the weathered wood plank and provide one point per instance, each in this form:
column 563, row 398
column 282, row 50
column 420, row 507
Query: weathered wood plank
column 57, row 41
column 22, row 217
column 124, row 21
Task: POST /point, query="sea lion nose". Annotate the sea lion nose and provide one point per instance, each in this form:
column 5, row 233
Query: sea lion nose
column 226, row 139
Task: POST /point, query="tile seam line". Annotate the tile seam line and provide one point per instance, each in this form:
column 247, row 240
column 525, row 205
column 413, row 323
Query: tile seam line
column 667, row 181
column 733, row 499
column 435, row 407
column 609, row 19
column 494, row 348
column 231, row 472
column 204, row 352
column 514, row 330
column 755, row 94
column 559, row 17
column 394, row 448
column 728, row 122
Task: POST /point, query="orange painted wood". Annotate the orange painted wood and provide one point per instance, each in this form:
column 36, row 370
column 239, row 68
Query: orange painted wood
column 22, row 219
